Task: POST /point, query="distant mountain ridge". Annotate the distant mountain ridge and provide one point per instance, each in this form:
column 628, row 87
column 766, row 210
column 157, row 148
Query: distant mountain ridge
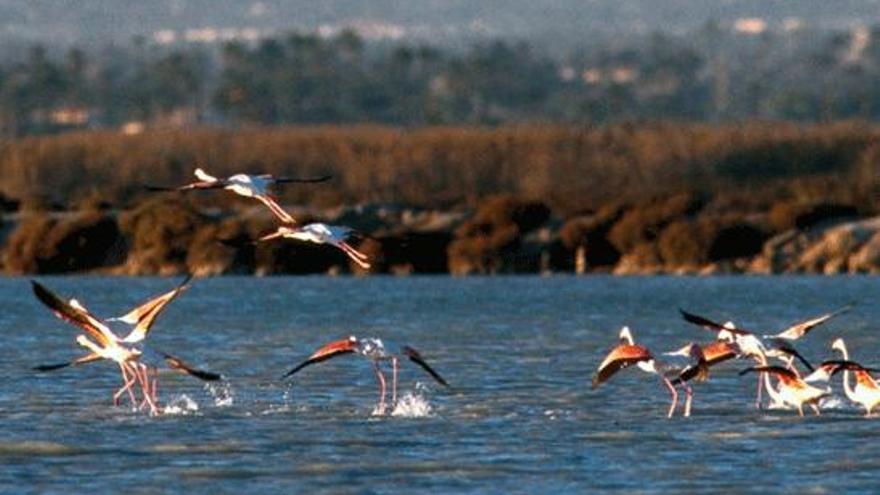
column 559, row 21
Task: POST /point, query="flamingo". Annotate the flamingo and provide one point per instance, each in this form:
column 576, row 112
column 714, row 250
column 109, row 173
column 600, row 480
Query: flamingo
column 792, row 389
column 104, row 344
column 249, row 186
column 752, row 346
column 374, row 350
column 320, row 233
column 628, row 353
column 866, row 391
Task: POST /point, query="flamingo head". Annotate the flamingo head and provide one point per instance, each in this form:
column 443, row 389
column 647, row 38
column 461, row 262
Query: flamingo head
column 839, row 346
column 626, row 336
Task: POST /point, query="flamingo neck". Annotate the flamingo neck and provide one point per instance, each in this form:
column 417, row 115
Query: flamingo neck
column 847, row 388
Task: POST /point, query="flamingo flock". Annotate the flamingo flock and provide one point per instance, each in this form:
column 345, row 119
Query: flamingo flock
column 793, row 388
column 789, row 379
column 139, row 364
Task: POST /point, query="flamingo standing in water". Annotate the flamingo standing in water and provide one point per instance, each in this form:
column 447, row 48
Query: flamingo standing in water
column 793, row 390
column 628, row 353
column 249, row 186
column 105, row 344
column 866, row 391
column 779, row 346
column 374, row 350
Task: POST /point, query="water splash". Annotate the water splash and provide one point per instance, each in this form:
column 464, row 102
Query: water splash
column 412, row 405
column 221, row 392
column 182, row 405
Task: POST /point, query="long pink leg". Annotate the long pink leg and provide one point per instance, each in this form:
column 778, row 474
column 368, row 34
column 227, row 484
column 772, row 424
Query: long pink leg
column 760, row 389
column 144, row 382
column 381, row 386
column 674, row 396
column 128, row 382
column 155, row 390
column 354, row 255
column 687, row 402
column 393, row 382
column 153, row 408
column 816, row 409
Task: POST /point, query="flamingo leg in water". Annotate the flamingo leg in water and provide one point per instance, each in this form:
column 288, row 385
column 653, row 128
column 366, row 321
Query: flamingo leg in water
column 687, row 403
column 816, row 409
column 148, row 397
column 381, row 379
column 760, row 389
column 674, row 394
column 126, row 387
column 393, row 383
column 155, row 387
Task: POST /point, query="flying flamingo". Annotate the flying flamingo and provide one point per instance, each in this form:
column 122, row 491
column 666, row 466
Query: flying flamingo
column 320, row 233
column 104, row 344
column 249, row 186
column 866, row 391
column 628, row 353
column 792, row 389
column 374, row 350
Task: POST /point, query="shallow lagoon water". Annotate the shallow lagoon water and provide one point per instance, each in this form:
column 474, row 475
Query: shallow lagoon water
column 520, row 418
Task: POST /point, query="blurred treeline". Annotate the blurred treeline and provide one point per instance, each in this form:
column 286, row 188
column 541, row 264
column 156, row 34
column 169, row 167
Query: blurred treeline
column 710, row 75
column 571, row 169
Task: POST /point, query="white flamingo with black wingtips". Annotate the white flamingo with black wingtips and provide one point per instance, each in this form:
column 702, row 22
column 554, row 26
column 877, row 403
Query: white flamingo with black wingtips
column 374, row 350
column 249, row 186
column 105, row 344
column 337, row 236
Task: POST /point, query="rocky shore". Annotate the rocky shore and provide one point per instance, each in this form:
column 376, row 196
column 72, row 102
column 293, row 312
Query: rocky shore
column 676, row 235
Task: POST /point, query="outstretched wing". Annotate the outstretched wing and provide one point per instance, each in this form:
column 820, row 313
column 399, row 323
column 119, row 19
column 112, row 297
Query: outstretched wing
column 178, row 364
column 288, row 180
column 415, row 357
column 88, row 358
column 709, row 324
column 798, row 330
column 333, row 349
column 622, row 356
column 76, row 316
column 786, row 348
column 186, row 187
column 784, row 374
column 143, row 316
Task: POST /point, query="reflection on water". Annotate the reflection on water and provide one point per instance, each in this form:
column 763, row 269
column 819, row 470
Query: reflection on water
column 520, row 416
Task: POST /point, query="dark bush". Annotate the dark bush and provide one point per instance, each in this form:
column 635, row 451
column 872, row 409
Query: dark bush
column 643, row 223
column 684, row 242
column 25, row 244
column 487, row 242
column 736, row 241
column 86, row 241
column 824, row 212
column 160, row 231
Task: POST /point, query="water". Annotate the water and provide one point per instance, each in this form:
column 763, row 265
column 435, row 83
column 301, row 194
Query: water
column 520, row 418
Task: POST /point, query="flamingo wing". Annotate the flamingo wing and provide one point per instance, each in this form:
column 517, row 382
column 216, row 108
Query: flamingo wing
column 620, row 357
column 179, row 365
column 288, row 180
column 333, row 349
column 143, row 316
column 73, row 315
column 709, row 324
column 88, row 358
column 798, row 330
column 719, row 351
column 415, row 357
